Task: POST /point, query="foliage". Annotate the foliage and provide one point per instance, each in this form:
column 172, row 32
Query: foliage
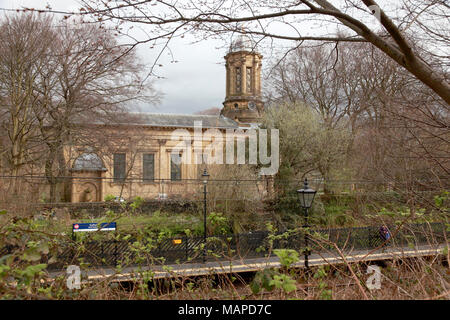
column 270, row 279
column 262, row 280
column 441, row 200
column 109, row 197
column 320, row 274
column 218, row 223
column 321, row 148
column 284, row 282
column 136, row 203
column 287, row 256
column 30, row 251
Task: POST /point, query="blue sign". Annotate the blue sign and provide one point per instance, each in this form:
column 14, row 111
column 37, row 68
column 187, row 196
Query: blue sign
column 86, row 227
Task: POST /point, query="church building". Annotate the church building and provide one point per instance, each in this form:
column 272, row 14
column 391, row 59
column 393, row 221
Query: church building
column 136, row 158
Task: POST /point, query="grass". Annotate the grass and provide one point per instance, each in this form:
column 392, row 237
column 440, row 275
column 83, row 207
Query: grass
column 171, row 224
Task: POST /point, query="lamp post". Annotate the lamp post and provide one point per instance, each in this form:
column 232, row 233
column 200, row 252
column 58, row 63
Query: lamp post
column 306, row 197
column 205, row 177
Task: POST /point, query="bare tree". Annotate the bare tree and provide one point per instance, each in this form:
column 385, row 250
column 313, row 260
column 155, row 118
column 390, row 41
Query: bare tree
column 24, row 50
column 91, row 77
column 62, row 75
column 399, row 127
column 327, row 78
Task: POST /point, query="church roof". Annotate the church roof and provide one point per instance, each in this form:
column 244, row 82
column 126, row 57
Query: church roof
column 186, row 120
column 169, row 120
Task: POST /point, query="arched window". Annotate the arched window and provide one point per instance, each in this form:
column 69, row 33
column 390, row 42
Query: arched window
column 88, row 162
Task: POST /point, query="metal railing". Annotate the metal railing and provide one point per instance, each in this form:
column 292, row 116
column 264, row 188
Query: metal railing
column 245, row 245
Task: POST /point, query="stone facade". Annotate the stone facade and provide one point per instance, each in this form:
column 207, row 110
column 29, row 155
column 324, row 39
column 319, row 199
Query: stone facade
column 134, row 142
column 141, row 148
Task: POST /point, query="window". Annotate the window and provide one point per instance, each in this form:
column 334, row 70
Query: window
column 119, row 167
column 238, row 80
column 148, row 167
column 175, row 167
column 249, row 77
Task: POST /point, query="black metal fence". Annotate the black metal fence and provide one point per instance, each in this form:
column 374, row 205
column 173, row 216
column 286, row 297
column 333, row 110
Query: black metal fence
column 248, row 245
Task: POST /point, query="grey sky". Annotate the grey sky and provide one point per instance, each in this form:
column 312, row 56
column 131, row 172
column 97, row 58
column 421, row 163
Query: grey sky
column 196, row 82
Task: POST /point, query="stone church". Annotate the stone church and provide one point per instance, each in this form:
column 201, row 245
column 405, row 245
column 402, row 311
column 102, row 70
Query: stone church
column 136, row 160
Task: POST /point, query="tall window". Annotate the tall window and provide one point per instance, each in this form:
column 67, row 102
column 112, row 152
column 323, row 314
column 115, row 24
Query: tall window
column 175, row 167
column 238, row 80
column 119, row 167
column 249, row 79
column 148, row 167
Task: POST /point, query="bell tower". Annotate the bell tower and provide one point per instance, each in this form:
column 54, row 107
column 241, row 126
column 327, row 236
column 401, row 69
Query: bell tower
column 243, row 83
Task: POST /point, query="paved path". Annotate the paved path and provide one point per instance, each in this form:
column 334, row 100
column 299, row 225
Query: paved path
column 248, row 265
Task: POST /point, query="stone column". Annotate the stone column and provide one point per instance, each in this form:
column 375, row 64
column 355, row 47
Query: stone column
column 162, row 172
column 243, row 76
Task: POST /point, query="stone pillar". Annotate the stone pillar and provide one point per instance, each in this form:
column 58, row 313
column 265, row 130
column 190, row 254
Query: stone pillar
column 163, row 169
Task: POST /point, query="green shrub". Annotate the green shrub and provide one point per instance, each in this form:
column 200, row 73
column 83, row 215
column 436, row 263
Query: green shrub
column 109, row 197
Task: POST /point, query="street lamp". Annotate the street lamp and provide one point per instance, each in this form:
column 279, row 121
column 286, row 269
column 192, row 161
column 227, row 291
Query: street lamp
column 205, row 177
column 306, row 197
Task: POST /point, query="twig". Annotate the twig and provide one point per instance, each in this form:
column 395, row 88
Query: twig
column 352, row 272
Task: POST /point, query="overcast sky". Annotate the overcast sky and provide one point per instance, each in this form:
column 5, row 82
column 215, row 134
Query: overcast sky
column 196, row 82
